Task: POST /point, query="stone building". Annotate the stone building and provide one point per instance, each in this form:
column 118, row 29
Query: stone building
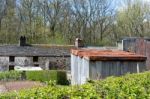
column 24, row 55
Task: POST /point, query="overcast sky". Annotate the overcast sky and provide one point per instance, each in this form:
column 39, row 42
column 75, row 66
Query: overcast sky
column 119, row 4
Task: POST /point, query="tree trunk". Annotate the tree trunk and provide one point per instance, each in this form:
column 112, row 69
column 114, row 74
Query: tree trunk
column 0, row 25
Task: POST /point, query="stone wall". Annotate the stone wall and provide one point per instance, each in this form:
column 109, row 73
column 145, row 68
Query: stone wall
column 4, row 63
column 56, row 62
column 43, row 62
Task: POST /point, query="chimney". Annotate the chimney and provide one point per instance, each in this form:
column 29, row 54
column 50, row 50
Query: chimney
column 79, row 43
column 22, row 41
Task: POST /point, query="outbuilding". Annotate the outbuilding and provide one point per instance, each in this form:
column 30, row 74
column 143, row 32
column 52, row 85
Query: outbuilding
column 93, row 64
column 139, row 45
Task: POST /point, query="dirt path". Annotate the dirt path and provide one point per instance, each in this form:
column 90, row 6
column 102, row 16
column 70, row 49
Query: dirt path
column 18, row 85
column 2, row 89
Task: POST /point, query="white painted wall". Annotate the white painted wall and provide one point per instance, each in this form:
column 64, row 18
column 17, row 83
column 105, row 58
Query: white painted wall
column 74, row 69
column 80, row 65
column 79, row 70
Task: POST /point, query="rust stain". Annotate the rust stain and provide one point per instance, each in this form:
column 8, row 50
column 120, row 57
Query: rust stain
column 95, row 55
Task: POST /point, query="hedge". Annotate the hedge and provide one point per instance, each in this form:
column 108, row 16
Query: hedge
column 10, row 75
column 46, row 75
column 130, row 86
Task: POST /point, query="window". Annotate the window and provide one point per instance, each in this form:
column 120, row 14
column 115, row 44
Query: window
column 11, row 67
column 36, row 65
column 11, row 58
column 35, row 58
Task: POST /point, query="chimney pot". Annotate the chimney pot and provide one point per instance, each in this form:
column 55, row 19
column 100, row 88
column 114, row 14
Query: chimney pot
column 22, row 41
column 79, row 43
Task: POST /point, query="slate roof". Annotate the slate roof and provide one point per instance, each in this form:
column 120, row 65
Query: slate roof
column 50, row 51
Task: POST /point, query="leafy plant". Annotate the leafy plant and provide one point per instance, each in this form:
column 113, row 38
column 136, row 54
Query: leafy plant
column 48, row 75
column 10, row 75
column 130, row 86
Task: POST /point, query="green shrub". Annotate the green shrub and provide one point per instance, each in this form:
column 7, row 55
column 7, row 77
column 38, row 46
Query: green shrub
column 44, row 75
column 62, row 78
column 10, row 75
column 47, row 75
column 130, row 86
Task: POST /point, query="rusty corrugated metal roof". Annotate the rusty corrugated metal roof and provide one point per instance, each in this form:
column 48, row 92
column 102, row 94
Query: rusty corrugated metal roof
column 105, row 55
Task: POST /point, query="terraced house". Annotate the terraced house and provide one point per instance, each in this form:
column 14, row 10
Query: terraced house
column 25, row 55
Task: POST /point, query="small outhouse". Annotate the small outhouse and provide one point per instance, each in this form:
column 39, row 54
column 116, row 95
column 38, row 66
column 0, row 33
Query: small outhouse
column 93, row 64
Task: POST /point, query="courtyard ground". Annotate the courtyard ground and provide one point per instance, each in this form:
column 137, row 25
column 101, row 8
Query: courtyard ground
column 18, row 85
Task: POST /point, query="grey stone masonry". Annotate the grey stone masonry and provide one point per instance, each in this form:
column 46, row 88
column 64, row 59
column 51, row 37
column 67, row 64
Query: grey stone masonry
column 46, row 57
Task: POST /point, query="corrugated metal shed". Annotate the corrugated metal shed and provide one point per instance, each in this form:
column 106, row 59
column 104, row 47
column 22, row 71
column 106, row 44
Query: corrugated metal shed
column 98, row 64
column 147, row 53
column 138, row 45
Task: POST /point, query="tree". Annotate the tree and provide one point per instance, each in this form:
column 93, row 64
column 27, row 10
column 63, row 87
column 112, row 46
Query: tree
column 130, row 20
column 2, row 11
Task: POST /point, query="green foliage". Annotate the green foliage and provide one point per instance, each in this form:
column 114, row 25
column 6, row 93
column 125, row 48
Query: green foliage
column 135, row 86
column 97, row 22
column 130, row 86
column 10, row 75
column 57, row 39
column 41, row 75
column 47, row 75
column 130, row 20
column 62, row 78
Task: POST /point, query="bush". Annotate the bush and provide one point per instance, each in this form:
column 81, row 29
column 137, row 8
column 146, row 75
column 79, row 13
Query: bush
column 10, row 75
column 62, row 78
column 47, row 75
column 130, row 86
